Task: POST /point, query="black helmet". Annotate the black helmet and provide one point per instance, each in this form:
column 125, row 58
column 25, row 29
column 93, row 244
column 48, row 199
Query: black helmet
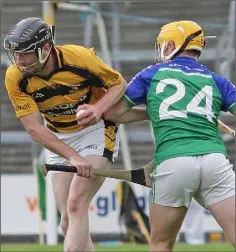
column 29, row 35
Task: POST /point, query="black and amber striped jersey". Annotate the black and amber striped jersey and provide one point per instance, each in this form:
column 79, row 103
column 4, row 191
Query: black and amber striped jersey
column 79, row 77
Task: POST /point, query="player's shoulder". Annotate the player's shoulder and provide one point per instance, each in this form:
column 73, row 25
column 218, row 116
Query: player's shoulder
column 13, row 75
column 74, row 51
column 12, row 70
column 76, row 54
column 70, row 47
column 219, row 79
column 149, row 71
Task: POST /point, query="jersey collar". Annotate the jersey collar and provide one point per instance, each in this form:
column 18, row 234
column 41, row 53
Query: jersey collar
column 185, row 59
column 58, row 58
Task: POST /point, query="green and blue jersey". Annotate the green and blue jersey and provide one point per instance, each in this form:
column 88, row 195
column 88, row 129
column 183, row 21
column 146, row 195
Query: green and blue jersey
column 183, row 99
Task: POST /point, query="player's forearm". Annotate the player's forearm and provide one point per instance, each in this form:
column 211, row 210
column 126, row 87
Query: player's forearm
column 47, row 139
column 133, row 115
column 116, row 112
column 112, row 96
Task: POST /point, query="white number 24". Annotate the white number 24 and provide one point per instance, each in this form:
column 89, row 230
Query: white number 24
column 193, row 106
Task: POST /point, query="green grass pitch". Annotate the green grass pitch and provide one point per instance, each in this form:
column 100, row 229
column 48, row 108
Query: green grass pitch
column 223, row 247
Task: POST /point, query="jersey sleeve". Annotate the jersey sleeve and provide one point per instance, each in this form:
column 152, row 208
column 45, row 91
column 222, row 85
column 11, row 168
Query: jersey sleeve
column 137, row 90
column 23, row 104
column 109, row 76
column 227, row 91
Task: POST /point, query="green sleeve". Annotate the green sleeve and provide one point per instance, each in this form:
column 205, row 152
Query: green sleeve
column 128, row 101
column 232, row 108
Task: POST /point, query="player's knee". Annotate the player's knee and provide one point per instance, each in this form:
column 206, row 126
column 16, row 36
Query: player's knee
column 64, row 223
column 77, row 206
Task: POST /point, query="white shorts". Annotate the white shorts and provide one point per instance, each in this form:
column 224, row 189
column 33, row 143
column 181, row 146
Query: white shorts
column 100, row 139
column 208, row 178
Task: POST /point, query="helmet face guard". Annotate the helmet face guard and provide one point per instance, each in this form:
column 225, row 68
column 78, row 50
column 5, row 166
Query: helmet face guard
column 33, row 49
column 12, row 55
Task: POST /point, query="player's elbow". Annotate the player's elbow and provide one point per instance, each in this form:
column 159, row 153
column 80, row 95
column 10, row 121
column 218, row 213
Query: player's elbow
column 32, row 131
column 32, row 125
column 123, row 87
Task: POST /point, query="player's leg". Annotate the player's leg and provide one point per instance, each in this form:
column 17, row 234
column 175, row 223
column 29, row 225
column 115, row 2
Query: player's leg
column 61, row 185
column 218, row 191
column 174, row 182
column 99, row 146
column 224, row 213
column 81, row 193
column 165, row 224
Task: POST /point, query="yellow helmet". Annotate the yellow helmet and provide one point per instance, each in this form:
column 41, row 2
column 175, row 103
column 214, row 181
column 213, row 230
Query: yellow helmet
column 186, row 35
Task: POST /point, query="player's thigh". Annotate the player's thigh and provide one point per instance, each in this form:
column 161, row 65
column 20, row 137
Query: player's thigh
column 99, row 144
column 165, row 222
column 224, row 213
column 217, row 180
column 82, row 189
column 61, row 186
column 99, row 147
column 175, row 181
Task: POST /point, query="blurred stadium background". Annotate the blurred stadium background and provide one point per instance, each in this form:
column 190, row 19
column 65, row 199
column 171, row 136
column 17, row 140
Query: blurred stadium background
column 123, row 35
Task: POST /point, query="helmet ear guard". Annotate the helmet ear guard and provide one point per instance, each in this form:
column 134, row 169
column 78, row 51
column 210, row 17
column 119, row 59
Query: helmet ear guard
column 40, row 55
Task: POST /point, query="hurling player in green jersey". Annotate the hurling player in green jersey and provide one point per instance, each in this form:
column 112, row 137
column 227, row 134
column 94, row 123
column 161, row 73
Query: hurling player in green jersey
column 183, row 100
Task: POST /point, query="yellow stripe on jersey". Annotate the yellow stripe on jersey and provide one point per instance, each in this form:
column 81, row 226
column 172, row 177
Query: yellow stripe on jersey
column 110, row 139
column 79, row 77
